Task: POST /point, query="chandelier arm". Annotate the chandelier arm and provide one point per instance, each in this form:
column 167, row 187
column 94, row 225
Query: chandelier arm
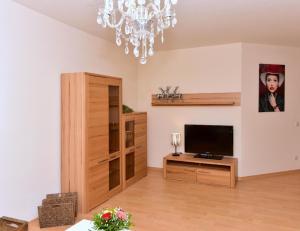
column 151, row 4
column 158, row 11
column 117, row 24
column 165, row 6
column 158, row 33
column 155, row 11
column 121, row 10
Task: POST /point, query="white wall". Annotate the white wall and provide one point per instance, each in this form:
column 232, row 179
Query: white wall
column 206, row 69
column 270, row 141
column 263, row 142
column 34, row 50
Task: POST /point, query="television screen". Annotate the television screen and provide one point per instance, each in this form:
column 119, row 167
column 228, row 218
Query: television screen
column 214, row 139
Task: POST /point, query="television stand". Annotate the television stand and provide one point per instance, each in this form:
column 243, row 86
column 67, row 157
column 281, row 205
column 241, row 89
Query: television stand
column 209, row 156
column 202, row 171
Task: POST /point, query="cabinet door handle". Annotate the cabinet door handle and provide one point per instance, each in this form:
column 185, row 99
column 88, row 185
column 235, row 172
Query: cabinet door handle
column 113, row 156
column 102, row 161
column 131, row 149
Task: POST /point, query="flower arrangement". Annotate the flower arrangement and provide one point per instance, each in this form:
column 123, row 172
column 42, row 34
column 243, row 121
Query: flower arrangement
column 115, row 219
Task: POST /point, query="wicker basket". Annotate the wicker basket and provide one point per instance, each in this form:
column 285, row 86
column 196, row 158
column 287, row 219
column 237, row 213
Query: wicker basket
column 58, row 209
column 58, row 198
column 11, row 224
column 56, row 215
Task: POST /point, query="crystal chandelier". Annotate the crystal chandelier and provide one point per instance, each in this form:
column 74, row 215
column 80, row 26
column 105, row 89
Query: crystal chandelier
column 138, row 22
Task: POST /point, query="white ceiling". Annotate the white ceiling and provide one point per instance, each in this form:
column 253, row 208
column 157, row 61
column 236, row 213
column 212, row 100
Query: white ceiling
column 200, row 22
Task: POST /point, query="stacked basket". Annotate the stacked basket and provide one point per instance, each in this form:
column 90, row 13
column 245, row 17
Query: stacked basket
column 12, row 224
column 58, row 209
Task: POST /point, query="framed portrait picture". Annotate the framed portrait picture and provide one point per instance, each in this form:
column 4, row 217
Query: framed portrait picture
column 271, row 87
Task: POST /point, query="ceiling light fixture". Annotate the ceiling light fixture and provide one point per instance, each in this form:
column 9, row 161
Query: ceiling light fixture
column 138, row 22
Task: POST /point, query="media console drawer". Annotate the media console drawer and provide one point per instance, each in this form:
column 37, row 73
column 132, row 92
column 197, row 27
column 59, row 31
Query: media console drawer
column 213, row 176
column 187, row 174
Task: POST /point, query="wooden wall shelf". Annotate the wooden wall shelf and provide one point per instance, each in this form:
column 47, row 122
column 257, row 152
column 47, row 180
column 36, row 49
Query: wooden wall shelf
column 201, row 99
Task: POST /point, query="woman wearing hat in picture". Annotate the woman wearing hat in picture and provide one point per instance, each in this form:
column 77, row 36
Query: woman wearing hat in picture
column 271, row 101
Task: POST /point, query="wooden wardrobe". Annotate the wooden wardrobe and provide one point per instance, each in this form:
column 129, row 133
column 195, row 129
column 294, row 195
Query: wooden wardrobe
column 91, row 137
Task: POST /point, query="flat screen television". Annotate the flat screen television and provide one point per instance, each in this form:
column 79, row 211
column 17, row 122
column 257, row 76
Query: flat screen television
column 213, row 139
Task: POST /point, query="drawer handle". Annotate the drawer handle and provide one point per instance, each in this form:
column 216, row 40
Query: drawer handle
column 203, row 172
column 189, row 170
column 178, row 172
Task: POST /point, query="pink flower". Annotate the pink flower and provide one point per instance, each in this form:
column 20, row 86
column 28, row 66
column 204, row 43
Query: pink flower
column 121, row 215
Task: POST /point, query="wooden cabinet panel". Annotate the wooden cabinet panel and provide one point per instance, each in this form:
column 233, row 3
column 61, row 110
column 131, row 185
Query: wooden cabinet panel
column 140, row 129
column 141, row 133
column 141, row 160
column 98, row 148
column 141, row 118
column 97, row 121
column 141, row 141
column 97, row 118
column 95, row 131
column 141, row 147
column 141, row 164
column 97, row 184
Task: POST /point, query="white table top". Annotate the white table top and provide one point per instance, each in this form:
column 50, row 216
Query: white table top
column 83, row 225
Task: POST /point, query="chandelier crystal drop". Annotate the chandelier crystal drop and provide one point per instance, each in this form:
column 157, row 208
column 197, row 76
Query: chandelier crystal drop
column 137, row 22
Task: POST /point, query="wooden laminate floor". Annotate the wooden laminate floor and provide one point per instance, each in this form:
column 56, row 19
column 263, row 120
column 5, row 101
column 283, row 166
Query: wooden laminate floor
column 266, row 204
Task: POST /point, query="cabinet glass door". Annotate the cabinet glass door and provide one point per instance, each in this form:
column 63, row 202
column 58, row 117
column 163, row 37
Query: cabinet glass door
column 114, row 119
column 114, row 173
column 129, row 134
column 130, row 165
